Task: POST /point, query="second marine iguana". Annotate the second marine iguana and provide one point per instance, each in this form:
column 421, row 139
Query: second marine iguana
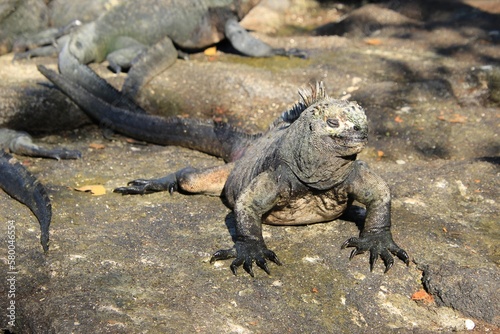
column 144, row 36
column 303, row 170
column 20, row 184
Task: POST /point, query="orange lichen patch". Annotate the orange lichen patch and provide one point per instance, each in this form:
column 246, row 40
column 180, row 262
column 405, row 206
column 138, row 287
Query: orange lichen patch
column 398, row 119
column 423, row 296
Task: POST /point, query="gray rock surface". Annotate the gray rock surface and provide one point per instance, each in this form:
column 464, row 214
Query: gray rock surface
column 140, row 263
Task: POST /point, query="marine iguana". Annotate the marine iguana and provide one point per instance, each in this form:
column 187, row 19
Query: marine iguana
column 20, row 184
column 303, row 170
column 143, row 38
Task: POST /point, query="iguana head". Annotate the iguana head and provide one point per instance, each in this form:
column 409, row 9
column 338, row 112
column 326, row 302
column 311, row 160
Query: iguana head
column 321, row 137
column 82, row 44
column 339, row 126
column 336, row 126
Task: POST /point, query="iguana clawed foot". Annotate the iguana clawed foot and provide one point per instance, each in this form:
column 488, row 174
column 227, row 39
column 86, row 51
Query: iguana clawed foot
column 147, row 186
column 291, row 53
column 245, row 253
column 61, row 153
column 378, row 244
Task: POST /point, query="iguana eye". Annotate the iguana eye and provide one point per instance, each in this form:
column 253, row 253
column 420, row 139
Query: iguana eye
column 332, row 122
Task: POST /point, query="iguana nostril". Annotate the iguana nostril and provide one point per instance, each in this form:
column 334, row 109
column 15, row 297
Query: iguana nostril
column 357, row 128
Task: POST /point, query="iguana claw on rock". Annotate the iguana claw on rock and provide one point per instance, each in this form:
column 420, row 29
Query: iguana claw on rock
column 303, row 170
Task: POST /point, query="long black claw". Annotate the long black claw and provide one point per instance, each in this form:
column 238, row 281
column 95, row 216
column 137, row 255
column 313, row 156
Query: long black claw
column 262, row 264
column 388, row 265
column 223, row 254
column 247, row 265
column 388, row 260
column 234, row 266
column 271, row 256
column 354, row 252
column 373, row 258
column 348, row 243
column 403, row 256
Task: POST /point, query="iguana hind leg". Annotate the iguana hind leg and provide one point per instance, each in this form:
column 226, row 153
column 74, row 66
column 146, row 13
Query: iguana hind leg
column 88, row 82
column 149, row 64
column 209, row 181
column 248, row 45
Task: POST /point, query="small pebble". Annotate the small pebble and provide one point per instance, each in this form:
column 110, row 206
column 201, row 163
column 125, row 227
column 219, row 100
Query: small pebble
column 469, row 324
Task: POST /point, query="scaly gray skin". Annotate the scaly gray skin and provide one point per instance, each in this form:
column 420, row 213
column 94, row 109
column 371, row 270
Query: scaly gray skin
column 303, row 170
column 16, row 181
column 19, row 18
column 19, row 142
column 64, row 15
column 141, row 36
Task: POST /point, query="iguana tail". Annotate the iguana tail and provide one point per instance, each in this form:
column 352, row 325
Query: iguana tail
column 83, row 76
column 16, row 181
column 218, row 139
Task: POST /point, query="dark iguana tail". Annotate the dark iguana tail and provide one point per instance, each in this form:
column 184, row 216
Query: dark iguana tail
column 85, row 77
column 16, row 181
column 218, row 139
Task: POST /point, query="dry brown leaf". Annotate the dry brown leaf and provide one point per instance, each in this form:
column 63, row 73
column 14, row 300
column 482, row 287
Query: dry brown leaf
column 422, row 295
column 96, row 146
column 95, row 189
column 212, row 51
column 457, row 118
column 373, row 41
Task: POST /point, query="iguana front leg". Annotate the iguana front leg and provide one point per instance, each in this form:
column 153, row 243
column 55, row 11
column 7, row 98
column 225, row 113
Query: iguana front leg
column 248, row 45
column 46, row 43
column 368, row 188
column 255, row 200
column 208, row 181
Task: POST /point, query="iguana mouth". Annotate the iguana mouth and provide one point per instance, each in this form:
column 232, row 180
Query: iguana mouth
column 351, row 139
